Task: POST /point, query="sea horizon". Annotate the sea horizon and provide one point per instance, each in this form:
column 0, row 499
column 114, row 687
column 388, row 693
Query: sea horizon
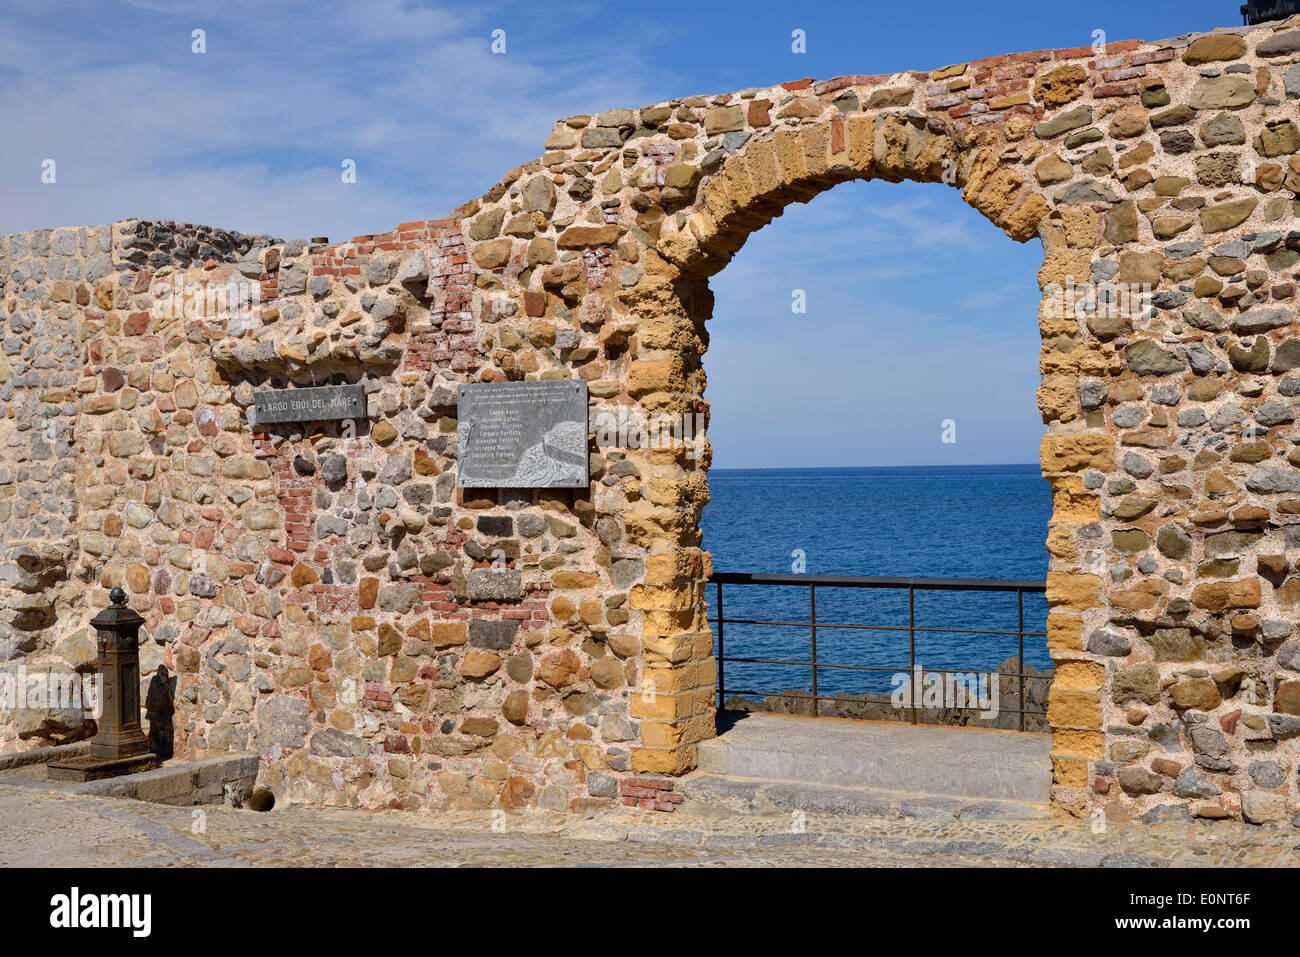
column 826, row 468
column 889, row 521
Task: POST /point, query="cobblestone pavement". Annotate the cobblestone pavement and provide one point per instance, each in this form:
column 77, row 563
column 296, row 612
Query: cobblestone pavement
column 40, row 826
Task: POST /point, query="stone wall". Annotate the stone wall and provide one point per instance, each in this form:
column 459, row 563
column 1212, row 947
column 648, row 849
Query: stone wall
column 328, row 596
column 59, row 289
column 45, row 283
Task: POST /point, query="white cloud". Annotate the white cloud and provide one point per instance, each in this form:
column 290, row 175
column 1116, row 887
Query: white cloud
column 250, row 135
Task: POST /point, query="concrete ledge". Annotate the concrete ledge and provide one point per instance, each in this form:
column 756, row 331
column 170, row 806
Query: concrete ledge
column 966, row 764
column 59, row 752
column 225, row 779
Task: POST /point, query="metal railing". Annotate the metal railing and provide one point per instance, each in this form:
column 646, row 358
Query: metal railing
column 912, row 585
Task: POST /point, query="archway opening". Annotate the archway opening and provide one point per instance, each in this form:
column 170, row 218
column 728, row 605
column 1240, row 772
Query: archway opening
column 872, row 366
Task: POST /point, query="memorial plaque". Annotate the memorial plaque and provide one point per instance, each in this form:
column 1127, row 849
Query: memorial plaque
column 310, row 405
column 522, row 434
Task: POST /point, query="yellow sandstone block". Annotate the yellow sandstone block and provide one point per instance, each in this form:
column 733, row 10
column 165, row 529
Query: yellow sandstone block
column 667, row 597
column 816, row 149
column 760, row 163
column 983, row 166
column 679, row 565
column 1075, row 452
column 1023, row 221
column 735, row 178
column 789, row 155
column 1056, row 399
column 997, row 196
column 929, row 164
column 1078, row 743
column 1060, row 543
column 664, row 760
column 1062, row 267
column 656, row 375
column 573, row 580
column 1064, row 630
column 672, row 649
column 1069, row 707
column 891, row 147
column 677, row 248
column 1069, row 772
column 658, row 706
column 1082, row 675
column 1073, row 590
column 692, row 490
column 703, row 227
column 1070, row 503
column 659, row 734
column 671, row 680
column 1080, row 227
column 716, row 201
column 862, row 136
column 1052, row 320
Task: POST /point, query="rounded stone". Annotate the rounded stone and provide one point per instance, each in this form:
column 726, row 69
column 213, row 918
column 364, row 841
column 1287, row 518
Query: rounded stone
column 520, row 667
column 607, row 672
column 1267, row 775
column 515, row 707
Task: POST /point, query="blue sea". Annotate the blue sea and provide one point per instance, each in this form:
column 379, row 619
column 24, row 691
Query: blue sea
column 985, row 521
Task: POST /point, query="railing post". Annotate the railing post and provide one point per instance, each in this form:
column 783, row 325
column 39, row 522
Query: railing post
column 1020, row 658
column 722, row 688
column 812, row 619
column 911, row 646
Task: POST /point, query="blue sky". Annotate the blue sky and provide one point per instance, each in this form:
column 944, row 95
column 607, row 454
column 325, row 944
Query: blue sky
column 918, row 310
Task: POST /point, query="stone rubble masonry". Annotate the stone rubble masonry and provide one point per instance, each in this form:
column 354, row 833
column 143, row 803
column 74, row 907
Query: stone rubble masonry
column 327, row 598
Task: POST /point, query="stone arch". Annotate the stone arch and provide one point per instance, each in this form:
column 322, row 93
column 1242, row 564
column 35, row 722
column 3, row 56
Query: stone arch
column 672, row 303
column 751, row 187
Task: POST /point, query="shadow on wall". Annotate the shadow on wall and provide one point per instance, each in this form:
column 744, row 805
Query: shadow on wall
column 160, row 706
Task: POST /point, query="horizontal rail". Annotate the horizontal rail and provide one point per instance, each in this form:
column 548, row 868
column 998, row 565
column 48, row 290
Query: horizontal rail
column 893, row 669
column 859, row 581
column 824, row 624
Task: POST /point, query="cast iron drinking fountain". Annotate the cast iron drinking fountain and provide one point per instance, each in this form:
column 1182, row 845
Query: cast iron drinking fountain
column 120, row 747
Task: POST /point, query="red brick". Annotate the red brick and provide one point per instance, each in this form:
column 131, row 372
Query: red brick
column 1116, row 89
column 1153, row 56
column 1073, row 53
column 1037, row 56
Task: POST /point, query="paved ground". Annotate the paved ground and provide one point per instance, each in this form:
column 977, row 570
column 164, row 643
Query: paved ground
column 971, row 763
column 43, row 827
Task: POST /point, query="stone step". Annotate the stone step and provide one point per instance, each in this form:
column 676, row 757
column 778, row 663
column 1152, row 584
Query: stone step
column 965, row 763
column 764, row 796
column 223, row 778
